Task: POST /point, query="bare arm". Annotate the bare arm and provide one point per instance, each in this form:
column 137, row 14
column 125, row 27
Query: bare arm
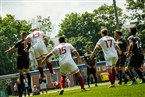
column 25, row 44
column 47, row 57
column 118, row 49
column 78, row 57
column 10, row 49
column 93, row 53
column 130, row 47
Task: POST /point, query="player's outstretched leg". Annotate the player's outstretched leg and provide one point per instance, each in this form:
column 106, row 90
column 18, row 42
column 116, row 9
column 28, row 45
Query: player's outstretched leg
column 81, row 81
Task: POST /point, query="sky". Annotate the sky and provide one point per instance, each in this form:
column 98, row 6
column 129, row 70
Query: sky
column 56, row 9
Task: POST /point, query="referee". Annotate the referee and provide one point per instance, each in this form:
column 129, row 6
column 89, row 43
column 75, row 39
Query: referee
column 22, row 61
column 91, row 66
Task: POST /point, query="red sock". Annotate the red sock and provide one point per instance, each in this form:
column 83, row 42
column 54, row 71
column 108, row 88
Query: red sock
column 81, row 81
column 62, row 82
column 41, row 71
column 113, row 75
column 49, row 65
column 110, row 77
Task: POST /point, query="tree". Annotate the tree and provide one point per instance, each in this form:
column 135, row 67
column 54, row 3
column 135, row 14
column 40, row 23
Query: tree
column 83, row 29
column 137, row 8
column 9, row 34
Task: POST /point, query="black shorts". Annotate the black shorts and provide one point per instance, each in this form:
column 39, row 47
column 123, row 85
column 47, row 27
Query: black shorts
column 23, row 62
column 121, row 61
column 136, row 60
column 91, row 71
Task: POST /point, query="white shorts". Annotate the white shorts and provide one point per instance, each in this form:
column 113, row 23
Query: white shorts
column 69, row 67
column 111, row 61
column 40, row 50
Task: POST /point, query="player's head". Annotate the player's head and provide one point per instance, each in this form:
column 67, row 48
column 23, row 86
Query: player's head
column 23, row 35
column 104, row 32
column 117, row 34
column 133, row 31
column 61, row 39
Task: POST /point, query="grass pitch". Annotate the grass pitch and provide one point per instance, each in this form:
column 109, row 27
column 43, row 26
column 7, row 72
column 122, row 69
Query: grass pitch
column 102, row 91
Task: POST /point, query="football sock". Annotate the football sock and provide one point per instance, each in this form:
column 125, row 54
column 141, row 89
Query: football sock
column 49, row 65
column 88, row 81
column 81, row 82
column 120, row 75
column 62, row 82
column 113, row 75
column 95, row 78
column 110, row 77
column 41, row 72
column 21, row 79
column 29, row 79
column 129, row 74
column 139, row 73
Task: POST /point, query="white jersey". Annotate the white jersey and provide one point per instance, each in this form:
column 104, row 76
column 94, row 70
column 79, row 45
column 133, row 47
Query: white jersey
column 36, row 37
column 107, row 44
column 63, row 50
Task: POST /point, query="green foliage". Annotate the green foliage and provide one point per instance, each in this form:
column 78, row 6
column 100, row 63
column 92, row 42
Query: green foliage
column 83, row 29
column 137, row 9
column 4, row 83
column 9, row 34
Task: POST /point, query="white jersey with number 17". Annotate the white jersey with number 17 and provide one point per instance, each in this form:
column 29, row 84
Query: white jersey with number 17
column 107, row 44
column 63, row 50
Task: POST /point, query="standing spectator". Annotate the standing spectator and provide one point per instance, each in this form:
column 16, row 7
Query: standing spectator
column 38, row 39
column 108, row 46
column 68, row 82
column 43, row 85
column 22, row 59
column 26, row 87
column 35, row 90
column 15, row 89
column 67, row 64
column 91, row 66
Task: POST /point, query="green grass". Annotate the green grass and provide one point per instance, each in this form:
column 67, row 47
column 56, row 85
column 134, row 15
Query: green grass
column 103, row 91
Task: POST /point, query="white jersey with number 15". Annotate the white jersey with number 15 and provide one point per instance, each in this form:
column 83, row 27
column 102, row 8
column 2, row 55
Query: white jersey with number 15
column 107, row 44
column 63, row 50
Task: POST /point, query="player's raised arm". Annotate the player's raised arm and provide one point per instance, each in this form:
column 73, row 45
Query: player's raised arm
column 78, row 56
column 10, row 49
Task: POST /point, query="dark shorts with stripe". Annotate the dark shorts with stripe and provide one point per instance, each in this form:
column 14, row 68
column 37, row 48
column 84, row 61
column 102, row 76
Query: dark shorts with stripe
column 91, row 71
column 121, row 61
column 136, row 60
column 23, row 62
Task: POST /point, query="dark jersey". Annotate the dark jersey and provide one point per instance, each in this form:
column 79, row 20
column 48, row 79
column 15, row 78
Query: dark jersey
column 122, row 44
column 20, row 46
column 88, row 60
column 137, row 44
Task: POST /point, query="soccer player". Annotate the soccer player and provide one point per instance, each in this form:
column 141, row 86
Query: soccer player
column 120, row 66
column 91, row 66
column 67, row 64
column 108, row 46
column 38, row 39
column 135, row 54
column 22, row 60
